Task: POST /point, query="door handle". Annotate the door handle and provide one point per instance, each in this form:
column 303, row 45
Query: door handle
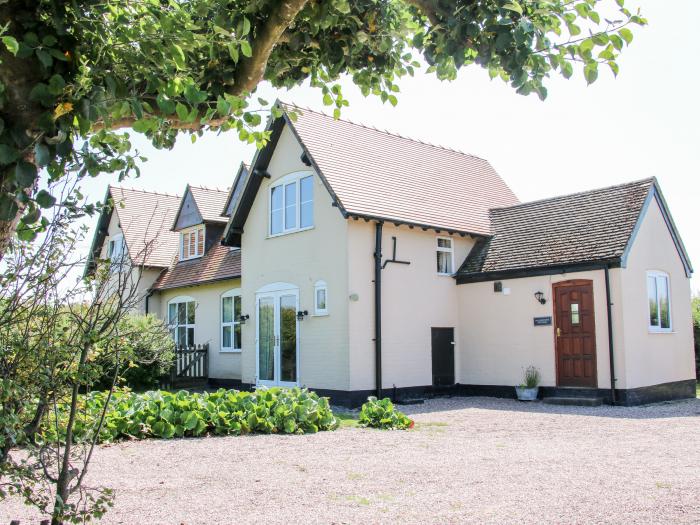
column 452, row 342
column 558, row 332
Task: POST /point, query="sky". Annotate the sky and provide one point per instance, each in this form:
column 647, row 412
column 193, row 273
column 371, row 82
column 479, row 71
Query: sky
column 645, row 122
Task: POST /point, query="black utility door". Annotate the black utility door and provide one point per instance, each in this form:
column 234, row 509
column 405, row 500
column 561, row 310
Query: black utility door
column 443, row 356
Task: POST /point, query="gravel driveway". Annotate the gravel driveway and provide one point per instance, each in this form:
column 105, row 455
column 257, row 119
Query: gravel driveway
column 469, row 460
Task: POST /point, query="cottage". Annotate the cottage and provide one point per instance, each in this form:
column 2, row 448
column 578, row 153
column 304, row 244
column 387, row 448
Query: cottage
column 355, row 262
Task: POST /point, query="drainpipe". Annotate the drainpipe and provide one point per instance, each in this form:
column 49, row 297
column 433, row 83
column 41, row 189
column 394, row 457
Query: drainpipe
column 378, row 307
column 610, row 335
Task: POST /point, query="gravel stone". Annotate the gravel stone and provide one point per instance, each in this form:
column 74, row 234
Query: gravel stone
column 469, row 460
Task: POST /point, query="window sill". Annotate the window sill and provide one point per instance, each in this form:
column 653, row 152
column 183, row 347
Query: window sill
column 182, row 259
column 320, row 314
column 444, row 274
column 652, row 331
column 230, row 351
column 290, row 232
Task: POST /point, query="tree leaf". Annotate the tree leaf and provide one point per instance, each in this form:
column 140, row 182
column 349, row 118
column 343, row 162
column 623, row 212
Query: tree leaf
column 11, row 44
column 42, row 155
column 590, row 72
column 246, row 49
column 25, row 174
column 45, row 199
column 626, row 34
column 233, row 51
column 8, row 154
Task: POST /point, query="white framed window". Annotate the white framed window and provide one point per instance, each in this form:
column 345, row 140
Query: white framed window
column 192, row 242
column 181, row 320
column 292, row 204
column 659, row 294
column 115, row 247
column 231, row 321
column 320, row 298
column 445, row 256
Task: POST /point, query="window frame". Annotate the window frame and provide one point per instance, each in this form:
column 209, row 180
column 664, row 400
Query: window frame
column 233, row 293
column 318, row 286
column 200, row 230
column 180, row 299
column 292, row 178
column 450, row 250
column 656, row 275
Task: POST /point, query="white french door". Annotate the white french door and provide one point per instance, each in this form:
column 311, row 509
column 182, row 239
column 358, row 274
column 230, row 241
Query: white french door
column 277, row 337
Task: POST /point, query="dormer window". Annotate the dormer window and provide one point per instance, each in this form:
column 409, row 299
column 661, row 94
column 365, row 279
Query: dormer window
column 292, row 204
column 192, row 242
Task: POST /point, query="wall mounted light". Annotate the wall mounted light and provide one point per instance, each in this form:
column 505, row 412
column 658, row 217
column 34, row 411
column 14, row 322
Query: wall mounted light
column 243, row 318
column 540, row 297
column 301, row 314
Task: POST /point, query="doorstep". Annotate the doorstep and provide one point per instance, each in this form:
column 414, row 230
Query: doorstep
column 574, row 401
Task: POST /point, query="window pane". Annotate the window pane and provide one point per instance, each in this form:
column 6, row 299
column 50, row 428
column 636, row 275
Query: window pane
column 185, row 246
column 200, row 241
column 181, row 313
column 236, row 308
column 172, row 313
column 288, row 338
column 574, row 313
column 664, row 312
column 321, row 299
column 190, row 312
column 190, row 336
column 276, row 211
column 193, row 241
column 237, row 337
column 445, row 243
column 227, row 309
column 226, row 342
column 306, row 198
column 182, row 335
column 290, row 206
column 653, row 305
column 444, row 262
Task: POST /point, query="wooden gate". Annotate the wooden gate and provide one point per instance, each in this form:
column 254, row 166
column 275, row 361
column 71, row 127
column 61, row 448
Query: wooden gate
column 191, row 366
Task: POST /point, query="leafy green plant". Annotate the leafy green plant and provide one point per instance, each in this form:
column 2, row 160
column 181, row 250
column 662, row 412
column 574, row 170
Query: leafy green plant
column 161, row 414
column 380, row 413
column 531, row 377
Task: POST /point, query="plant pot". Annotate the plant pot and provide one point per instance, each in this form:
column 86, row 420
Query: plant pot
column 527, row 394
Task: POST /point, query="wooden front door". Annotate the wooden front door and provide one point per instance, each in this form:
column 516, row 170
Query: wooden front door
column 574, row 328
column 443, row 350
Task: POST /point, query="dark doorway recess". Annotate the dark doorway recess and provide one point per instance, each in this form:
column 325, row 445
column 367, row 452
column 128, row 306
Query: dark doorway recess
column 443, row 349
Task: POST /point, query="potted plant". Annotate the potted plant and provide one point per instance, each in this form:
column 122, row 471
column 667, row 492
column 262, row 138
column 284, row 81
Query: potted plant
column 529, row 388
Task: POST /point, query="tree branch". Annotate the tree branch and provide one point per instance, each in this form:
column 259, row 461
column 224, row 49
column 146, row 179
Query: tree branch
column 251, row 69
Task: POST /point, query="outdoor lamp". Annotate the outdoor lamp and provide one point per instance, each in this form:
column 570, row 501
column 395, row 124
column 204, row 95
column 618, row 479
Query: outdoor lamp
column 301, row 314
column 243, row 318
column 540, row 297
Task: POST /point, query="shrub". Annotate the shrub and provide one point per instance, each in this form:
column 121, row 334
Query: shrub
column 145, row 343
column 377, row 413
column 531, row 377
column 162, row 414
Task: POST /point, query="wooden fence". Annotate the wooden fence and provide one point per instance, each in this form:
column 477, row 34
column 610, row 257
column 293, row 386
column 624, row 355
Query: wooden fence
column 191, row 366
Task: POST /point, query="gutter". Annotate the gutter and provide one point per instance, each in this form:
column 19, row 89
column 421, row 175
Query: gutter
column 611, row 350
column 378, row 307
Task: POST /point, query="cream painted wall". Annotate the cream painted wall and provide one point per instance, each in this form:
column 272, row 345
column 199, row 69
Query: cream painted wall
column 300, row 259
column 142, row 278
column 654, row 358
column 498, row 339
column 414, row 299
column 222, row 365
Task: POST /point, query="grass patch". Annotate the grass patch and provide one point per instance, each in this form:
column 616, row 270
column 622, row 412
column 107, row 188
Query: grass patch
column 347, row 420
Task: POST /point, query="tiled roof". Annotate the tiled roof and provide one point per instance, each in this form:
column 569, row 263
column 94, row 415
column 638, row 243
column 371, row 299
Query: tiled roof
column 218, row 263
column 378, row 174
column 210, row 203
column 145, row 219
column 591, row 226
